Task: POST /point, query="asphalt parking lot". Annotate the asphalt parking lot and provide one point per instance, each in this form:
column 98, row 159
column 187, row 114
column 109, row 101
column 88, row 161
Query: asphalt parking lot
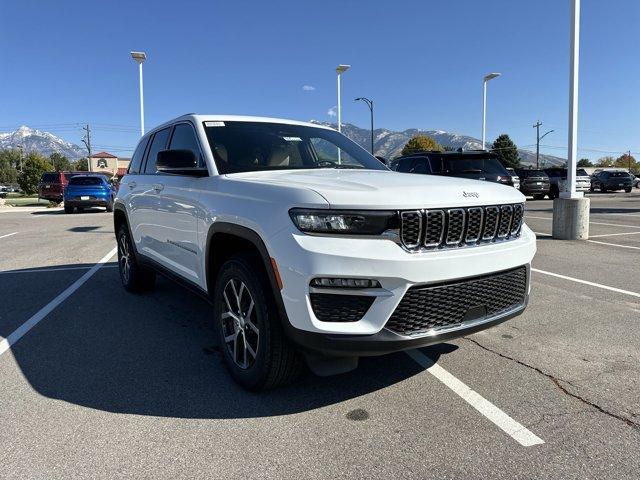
column 95, row 382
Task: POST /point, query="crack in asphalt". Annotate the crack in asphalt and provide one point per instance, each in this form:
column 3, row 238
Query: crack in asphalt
column 560, row 387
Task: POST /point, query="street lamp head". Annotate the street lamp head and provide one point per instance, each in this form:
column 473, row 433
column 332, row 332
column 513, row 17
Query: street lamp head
column 342, row 68
column 139, row 56
column 491, row 76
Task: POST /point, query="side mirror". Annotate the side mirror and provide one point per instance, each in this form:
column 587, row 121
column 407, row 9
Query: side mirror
column 181, row 162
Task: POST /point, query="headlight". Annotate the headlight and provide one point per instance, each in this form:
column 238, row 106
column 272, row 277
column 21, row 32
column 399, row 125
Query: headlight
column 343, row 221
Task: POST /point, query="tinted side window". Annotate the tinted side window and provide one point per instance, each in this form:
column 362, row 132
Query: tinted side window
column 420, row 167
column 436, row 165
column 136, row 159
column 184, row 138
column 405, row 164
column 158, row 143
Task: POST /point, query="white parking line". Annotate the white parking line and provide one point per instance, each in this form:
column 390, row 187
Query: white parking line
column 47, row 309
column 614, row 234
column 53, row 269
column 586, row 282
column 515, row 430
column 8, row 235
column 593, row 223
column 614, row 244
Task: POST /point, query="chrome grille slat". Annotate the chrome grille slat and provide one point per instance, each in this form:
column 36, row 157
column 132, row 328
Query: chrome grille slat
column 411, row 228
column 455, row 226
column 506, row 214
column 434, row 231
column 490, row 223
column 459, row 227
column 475, row 215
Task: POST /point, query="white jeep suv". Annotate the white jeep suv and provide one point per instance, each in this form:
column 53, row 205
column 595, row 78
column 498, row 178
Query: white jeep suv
column 311, row 249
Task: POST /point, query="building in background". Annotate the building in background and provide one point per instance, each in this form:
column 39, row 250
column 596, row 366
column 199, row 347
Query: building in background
column 108, row 164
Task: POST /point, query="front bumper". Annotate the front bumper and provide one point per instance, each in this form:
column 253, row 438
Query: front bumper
column 386, row 341
column 300, row 258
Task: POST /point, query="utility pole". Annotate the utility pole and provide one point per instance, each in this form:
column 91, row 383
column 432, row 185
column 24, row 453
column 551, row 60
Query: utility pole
column 538, row 138
column 369, row 103
column 629, row 159
column 87, row 143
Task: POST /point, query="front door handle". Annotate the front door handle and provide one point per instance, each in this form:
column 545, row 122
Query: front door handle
column 133, row 185
column 158, row 187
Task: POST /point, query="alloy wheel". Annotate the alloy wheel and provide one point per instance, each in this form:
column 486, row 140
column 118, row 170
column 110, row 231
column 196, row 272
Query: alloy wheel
column 239, row 324
column 124, row 258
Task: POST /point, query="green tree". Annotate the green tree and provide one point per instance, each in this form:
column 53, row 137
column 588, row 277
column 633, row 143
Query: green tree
column 585, row 162
column 420, row 143
column 626, row 161
column 506, row 150
column 32, row 169
column 605, row 162
column 81, row 165
column 60, row 162
column 9, row 161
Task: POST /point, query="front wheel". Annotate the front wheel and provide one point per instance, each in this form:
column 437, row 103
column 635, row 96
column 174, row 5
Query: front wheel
column 628, row 189
column 135, row 278
column 252, row 341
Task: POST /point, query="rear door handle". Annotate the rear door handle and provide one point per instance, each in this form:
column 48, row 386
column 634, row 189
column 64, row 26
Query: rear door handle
column 158, row 187
column 132, row 185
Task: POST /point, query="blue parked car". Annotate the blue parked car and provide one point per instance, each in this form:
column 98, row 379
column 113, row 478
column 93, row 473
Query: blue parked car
column 88, row 191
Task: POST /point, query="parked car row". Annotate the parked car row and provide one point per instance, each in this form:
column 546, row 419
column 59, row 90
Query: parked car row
column 78, row 190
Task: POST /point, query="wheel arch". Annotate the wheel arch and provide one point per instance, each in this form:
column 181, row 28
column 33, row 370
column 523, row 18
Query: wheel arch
column 233, row 238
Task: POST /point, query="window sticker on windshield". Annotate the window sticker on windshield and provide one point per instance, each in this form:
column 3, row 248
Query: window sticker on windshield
column 292, row 139
column 214, row 124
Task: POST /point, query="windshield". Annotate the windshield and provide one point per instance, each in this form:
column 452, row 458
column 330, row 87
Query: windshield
column 84, row 180
column 474, row 165
column 531, row 173
column 251, row 146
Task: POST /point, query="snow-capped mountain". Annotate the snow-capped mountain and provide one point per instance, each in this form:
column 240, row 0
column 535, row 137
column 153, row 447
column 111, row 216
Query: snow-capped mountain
column 32, row 140
column 388, row 143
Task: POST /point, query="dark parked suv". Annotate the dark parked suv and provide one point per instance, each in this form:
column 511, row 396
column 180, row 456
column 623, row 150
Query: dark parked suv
column 477, row 165
column 611, row 181
column 533, row 182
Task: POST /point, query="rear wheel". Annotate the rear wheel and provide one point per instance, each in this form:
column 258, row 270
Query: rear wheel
column 554, row 192
column 253, row 344
column 68, row 209
column 135, row 278
column 603, row 189
column 110, row 206
column 628, row 189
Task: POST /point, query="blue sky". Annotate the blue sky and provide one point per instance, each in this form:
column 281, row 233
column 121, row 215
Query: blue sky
column 422, row 62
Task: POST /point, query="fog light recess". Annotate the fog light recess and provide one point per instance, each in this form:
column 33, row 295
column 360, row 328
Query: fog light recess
column 325, row 282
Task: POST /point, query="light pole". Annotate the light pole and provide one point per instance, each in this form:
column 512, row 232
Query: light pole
column 370, row 105
column 538, row 138
column 340, row 70
column 571, row 209
column 487, row 77
column 140, row 57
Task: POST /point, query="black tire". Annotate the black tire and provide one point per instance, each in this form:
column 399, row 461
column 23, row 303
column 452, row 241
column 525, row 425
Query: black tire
column 591, row 189
column 68, row 209
column 270, row 360
column 110, row 206
column 135, row 278
column 628, row 189
column 538, row 196
column 554, row 192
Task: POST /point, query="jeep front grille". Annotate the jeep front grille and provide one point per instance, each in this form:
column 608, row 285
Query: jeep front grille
column 432, row 308
column 457, row 227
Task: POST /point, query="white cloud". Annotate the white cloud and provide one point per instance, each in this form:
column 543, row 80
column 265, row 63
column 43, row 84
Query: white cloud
column 333, row 111
column 308, row 88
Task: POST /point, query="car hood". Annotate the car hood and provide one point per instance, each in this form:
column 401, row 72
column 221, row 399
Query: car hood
column 387, row 189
